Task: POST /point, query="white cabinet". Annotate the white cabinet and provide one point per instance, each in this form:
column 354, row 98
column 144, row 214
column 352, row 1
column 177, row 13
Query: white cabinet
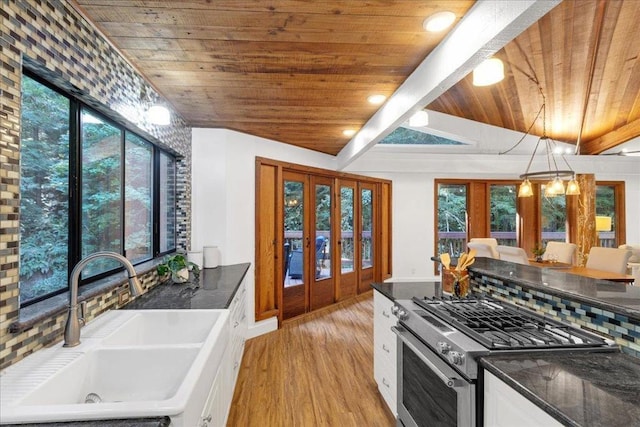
column 384, row 350
column 214, row 412
column 505, row 407
column 238, row 316
column 216, row 408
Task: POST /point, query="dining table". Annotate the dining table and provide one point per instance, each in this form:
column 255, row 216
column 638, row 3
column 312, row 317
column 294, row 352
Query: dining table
column 584, row 271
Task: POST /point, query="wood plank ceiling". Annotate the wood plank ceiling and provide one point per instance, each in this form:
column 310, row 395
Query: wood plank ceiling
column 299, row 72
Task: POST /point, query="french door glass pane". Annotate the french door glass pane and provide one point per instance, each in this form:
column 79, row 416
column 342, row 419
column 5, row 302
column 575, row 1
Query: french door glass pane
column 294, row 232
column 101, row 191
column 367, row 228
column 323, row 231
column 452, row 218
column 606, row 206
column 167, row 203
column 346, row 229
column 44, row 191
column 554, row 218
column 503, row 214
column 138, row 200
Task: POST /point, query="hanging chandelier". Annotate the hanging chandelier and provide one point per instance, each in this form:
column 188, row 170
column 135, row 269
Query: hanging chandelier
column 554, row 176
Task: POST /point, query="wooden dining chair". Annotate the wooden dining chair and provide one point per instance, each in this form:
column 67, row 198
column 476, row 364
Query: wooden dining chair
column 608, row 259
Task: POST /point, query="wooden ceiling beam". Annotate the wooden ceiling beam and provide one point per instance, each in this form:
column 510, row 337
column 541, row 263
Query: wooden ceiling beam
column 611, row 139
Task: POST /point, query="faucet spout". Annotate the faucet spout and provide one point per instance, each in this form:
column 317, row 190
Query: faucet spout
column 72, row 327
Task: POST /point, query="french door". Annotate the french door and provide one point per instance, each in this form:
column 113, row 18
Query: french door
column 308, row 242
column 348, row 214
column 321, row 237
column 366, row 241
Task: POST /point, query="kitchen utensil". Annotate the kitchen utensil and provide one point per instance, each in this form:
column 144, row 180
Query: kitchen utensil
column 445, row 260
column 461, row 261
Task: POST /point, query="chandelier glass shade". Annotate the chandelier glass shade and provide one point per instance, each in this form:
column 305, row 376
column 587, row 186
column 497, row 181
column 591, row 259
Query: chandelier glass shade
column 554, row 176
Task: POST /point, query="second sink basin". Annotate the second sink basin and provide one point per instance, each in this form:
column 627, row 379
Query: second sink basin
column 164, row 327
column 117, row 375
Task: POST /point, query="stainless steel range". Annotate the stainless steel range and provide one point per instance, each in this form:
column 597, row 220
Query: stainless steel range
column 440, row 340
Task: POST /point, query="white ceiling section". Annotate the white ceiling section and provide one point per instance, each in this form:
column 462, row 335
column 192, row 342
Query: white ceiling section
column 487, row 27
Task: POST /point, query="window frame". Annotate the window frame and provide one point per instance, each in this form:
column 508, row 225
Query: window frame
column 74, row 254
column 528, row 211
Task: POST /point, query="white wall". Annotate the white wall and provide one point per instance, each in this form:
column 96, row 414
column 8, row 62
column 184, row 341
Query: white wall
column 223, row 200
column 413, row 172
column 223, row 196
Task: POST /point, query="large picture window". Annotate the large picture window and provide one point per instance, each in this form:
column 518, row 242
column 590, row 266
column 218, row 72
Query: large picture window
column 108, row 207
column 44, row 191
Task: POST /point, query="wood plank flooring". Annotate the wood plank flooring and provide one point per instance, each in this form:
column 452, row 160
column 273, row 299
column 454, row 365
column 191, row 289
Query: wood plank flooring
column 316, row 370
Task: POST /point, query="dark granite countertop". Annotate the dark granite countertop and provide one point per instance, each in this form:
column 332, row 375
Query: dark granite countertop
column 611, row 296
column 577, row 388
column 406, row 290
column 215, row 289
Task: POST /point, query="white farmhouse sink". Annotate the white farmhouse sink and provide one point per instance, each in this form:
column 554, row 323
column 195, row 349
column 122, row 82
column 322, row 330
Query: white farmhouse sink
column 160, row 327
column 117, row 375
column 130, row 363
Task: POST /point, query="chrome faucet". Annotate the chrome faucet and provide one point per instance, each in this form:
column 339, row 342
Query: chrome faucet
column 72, row 328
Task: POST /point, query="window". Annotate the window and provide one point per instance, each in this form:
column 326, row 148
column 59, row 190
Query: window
column 503, row 214
column 138, row 193
column 111, row 208
column 606, row 206
column 452, row 218
column 554, row 218
column 167, row 207
column 44, row 191
column 101, row 189
column 488, row 208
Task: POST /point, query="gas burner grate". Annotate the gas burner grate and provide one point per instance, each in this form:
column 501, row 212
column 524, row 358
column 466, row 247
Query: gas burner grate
column 497, row 325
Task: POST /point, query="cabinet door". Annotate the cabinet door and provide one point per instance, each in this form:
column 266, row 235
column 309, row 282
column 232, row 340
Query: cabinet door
column 384, row 350
column 214, row 412
column 505, row 407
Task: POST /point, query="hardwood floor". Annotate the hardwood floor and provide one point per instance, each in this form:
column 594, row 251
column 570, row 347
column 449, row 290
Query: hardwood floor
column 314, row 371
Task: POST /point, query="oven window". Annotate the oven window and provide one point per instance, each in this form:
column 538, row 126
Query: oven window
column 429, row 401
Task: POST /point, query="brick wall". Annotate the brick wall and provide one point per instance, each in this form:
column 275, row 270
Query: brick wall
column 51, row 38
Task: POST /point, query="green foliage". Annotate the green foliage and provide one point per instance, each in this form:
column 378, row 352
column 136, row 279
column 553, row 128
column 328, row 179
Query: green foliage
column 173, row 264
column 403, row 135
column 503, row 208
column 45, row 191
column 452, row 207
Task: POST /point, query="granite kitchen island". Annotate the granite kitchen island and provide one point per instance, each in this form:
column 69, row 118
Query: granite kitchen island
column 576, row 388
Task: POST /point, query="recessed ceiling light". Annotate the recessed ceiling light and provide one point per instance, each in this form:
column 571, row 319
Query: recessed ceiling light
column 439, row 21
column 348, row 132
column 376, row 99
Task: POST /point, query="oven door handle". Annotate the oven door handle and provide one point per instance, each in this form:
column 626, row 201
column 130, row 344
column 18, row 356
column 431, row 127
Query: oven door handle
column 408, row 339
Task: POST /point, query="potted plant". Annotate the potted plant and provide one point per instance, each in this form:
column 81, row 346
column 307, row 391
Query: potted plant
column 179, row 268
column 538, row 251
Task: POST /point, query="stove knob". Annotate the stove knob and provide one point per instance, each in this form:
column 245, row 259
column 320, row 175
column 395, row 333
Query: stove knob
column 456, row 358
column 394, row 310
column 443, row 347
column 402, row 314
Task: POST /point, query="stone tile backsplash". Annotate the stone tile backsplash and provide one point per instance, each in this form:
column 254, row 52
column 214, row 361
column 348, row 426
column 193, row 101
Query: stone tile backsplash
column 52, row 39
column 623, row 330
